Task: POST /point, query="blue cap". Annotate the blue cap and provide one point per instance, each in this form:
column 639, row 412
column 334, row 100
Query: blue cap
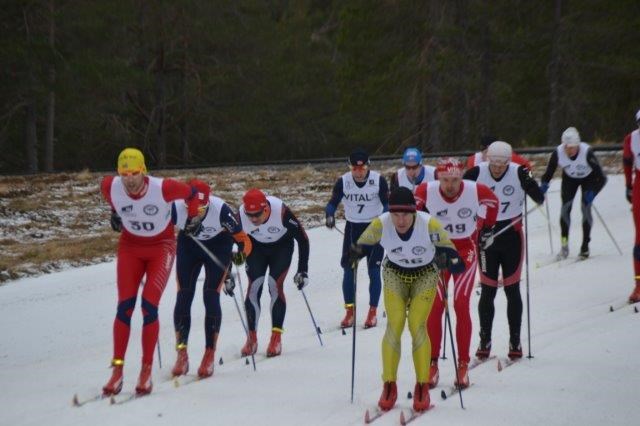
column 411, row 155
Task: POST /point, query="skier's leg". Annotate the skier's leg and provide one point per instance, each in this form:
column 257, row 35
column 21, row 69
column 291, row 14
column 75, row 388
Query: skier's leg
column 396, row 296
column 423, row 291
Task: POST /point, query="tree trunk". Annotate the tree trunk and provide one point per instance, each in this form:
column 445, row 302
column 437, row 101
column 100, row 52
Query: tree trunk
column 160, row 109
column 31, row 137
column 554, row 77
column 51, row 100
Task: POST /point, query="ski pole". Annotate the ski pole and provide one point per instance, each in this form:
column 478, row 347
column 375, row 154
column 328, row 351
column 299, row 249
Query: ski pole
column 453, row 346
column 512, row 224
column 159, row 355
column 246, row 330
column 444, row 340
column 315, row 326
column 546, row 204
column 526, row 247
column 253, row 359
column 606, row 228
column 224, row 268
column 353, row 345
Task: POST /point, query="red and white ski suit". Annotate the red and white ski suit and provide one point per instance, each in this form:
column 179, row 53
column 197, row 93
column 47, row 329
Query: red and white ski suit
column 147, row 246
column 631, row 165
column 460, row 217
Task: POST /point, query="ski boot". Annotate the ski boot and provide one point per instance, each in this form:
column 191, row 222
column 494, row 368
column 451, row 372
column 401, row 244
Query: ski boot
column 251, row 346
column 114, row 385
column 371, row 320
column 434, row 374
column 181, row 366
column 421, row 398
column 275, row 345
column 145, row 385
column 484, row 350
column 462, row 379
column 347, row 321
column 515, row 350
column 584, row 251
column 635, row 295
column 389, row 395
column 206, row 366
column 564, row 249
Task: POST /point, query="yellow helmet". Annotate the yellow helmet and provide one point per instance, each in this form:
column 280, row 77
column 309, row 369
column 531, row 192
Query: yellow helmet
column 131, row 160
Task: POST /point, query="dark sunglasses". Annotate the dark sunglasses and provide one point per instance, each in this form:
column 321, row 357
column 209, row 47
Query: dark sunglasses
column 255, row 214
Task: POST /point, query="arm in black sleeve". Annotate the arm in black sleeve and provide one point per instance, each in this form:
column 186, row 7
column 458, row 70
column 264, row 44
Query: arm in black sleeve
column 530, row 185
column 229, row 220
column 296, row 230
column 599, row 177
column 336, row 197
column 384, row 193
column 552, row 165
column 472, row 173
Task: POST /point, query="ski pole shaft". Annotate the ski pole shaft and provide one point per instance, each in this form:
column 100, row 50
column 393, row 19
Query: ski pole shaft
column 212, row 256
column 253, row 359
column 159, row 355
column 526, row 247
column 453, row 346
column 315, row 326
column 444, row 341
column 606, row 228
column 353, row 345
column 546, row 204
column 246, row 330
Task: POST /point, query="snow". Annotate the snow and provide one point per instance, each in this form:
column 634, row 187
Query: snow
column 56, row 341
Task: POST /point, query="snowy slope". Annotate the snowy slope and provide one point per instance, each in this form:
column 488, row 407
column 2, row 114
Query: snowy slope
column 56, row 341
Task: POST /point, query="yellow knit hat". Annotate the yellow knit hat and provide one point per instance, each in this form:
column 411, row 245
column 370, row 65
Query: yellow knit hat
column 131, row 160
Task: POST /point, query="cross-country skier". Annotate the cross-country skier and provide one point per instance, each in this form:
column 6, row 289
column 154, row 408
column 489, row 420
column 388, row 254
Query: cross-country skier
column 631, row 164
column 481, row 156
column 457, row 204
column 580, row 169
column 220, row 228
column 141, row 212
column 272, row 227
column 413, row 172
column 511, row 183
column 364, row 195
column 417, row 247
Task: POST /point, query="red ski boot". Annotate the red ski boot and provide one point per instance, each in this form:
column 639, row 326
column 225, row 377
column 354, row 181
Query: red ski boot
column 206, row 366
column 347, row 321
column 434, row 374
column 114, row 385
column 251, row 346
column 462, row 381
column 181, row 366
column 388, row 397
column 635, row 295
column 421, row 398
column 275, row 346
column 371, row 320
column 144, row 385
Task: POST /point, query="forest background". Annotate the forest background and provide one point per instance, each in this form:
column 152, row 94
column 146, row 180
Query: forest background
column 235, row 81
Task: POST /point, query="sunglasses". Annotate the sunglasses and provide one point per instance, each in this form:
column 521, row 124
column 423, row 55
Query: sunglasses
column 255, row 214
column 416, row 167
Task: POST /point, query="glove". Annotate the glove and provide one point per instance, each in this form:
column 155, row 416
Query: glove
column 454, row 264
column 544, row 187
column 301, row 279
column 355, row 253
column 116, row 221
column 229, row 285
column 588, row 197
column 238, row 257
column 193, row 226
column 628, row 194
column 441, row 261
column 486, row 238
column 330, row 221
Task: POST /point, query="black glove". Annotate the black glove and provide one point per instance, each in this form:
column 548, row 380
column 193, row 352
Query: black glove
column 441, row 260
column 486, row 238
column 301, row 279
column 628, row 193
column 229, row 285
column 193, row 227
column 330, row 221
column 238, row 257
column 444, row 261
column 116, row 221
column 355, row 253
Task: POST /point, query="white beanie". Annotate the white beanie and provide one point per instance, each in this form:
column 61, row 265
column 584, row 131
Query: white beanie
column 499, row 151
column 571, row 137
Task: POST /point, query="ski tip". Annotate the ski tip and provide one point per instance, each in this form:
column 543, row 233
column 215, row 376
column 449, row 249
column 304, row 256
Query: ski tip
column 499, row 365
column 443, row 394
column 367, row 417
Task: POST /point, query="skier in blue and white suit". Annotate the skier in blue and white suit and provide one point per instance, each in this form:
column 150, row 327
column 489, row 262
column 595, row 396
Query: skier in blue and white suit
column 364, row 196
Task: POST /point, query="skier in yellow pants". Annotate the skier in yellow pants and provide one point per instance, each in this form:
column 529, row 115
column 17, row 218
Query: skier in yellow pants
column 416, row 246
